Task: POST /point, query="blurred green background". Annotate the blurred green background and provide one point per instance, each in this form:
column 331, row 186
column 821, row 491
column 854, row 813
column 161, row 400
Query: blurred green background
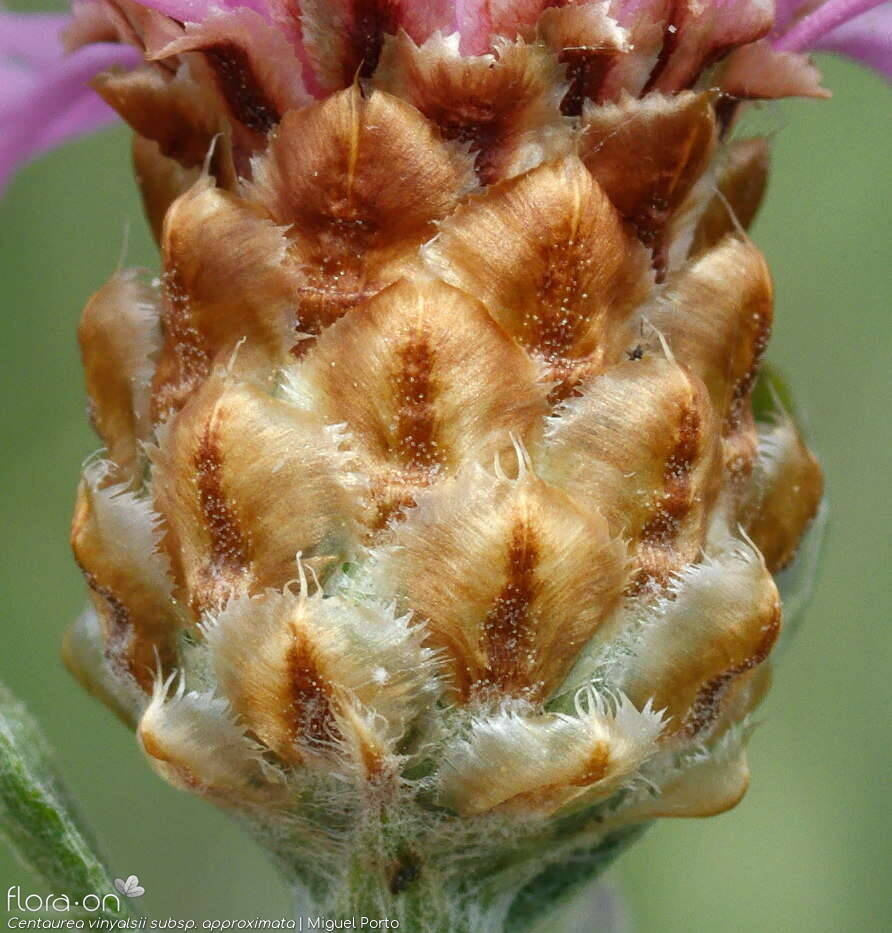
column 809, row 849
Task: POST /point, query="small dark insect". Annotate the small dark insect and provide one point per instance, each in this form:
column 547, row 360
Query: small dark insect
column 404, row 873
column 636, row 353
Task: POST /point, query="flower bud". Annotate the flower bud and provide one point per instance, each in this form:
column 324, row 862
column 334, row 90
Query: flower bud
column 437, row 532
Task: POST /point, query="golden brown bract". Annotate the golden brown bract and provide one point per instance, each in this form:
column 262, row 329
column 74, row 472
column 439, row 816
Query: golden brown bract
column 553, row 262
column 194, row 742
column 716, row 315
column 548, row 760
column 424, row 381
column 504, row 107
column 553, row 573
column 227, row 293
column 270, row 666
column 784, row 493
column 647, row 155
column 161, row 181
column 168, row 107
column 115, row 539
column 297, row 668
column 710, row 786
column 740, row 187
column 641, row 445
column 119, row 335
column 359, row 183
column 245, row 483
column 703, row 641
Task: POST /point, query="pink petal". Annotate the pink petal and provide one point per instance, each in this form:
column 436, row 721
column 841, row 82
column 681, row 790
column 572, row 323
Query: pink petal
column 56, row 103
column 509, row 17
column 785, row 13
column 31, row 38
column 85, row 112
column 473, row 23
column 14, row 82
column 866, row 39
column 823, row 19
column 479, row 20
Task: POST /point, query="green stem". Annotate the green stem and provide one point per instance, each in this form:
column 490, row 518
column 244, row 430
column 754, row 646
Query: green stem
column 39, row 819
column 388, row 879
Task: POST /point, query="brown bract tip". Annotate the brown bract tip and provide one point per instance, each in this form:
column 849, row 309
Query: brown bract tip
column 760, row 72
column 344, row 38
column 161, row 181
column 716, row 316
column 359, row 182
column 784, row 493
column 588, row 42
column 647, row 155
column 554, row 572
column 740, row 187
column 641, row 444
column 424, row 381
column 171, row 109
column 698, row 34
column 245, row 482
column 248, row 64
column 553, row 262
column 702, row 642
column 226, row 285
column 504, row 106
column 119, row 335
column 114, row 535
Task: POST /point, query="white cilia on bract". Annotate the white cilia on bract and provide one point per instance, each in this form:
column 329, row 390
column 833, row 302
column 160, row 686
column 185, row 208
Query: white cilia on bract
column 435, row 533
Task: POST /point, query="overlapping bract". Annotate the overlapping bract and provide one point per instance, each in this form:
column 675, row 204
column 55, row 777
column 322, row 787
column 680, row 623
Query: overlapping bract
column 432, row 470
column 268, row 55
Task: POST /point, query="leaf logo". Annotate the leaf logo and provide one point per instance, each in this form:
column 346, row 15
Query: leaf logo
column 129, row 888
